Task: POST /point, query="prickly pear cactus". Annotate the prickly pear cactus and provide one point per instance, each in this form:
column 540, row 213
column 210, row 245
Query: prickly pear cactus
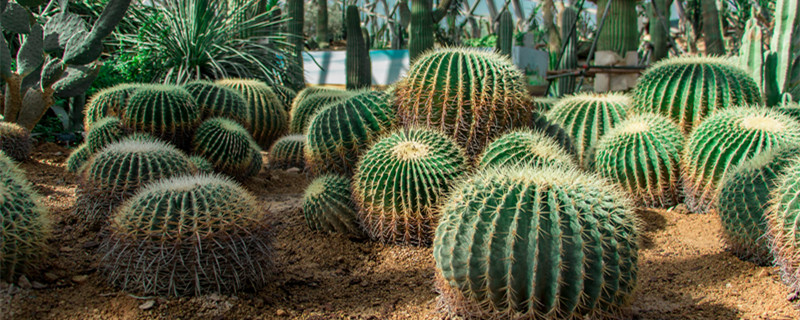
column 15, row 141
column 724, row 141
column 781, row 217
column 526, row 243
column 107, row 102
column 165, row 111
column 214, row 100
column 328, row 206
column 400, row 180
column 643, row 155
column 78, row 158
column 201, row 164
column 226, row 145
column 268, row 118
column 306, row 105
column 287, row 152
column 217, row 243
column 525, row 148
column 104, row 132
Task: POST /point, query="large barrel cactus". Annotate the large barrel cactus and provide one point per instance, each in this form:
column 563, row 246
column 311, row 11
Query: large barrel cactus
column 643, row 155
column 340, row 132
column 528, row 243
column 328, row 206
column 724, row 141
column 15, row 141
column 226, row 145
column 287, row 152
column 587, row 117
column 782, row 228
column 304, row 108
column 188, row 235
column 108, row 102
column 687, row 89
column 104, row 132
column 214, row 100
column 400, row 180
column 268, row 118
column 471, row 95
column 525, row 147
column 165, row 111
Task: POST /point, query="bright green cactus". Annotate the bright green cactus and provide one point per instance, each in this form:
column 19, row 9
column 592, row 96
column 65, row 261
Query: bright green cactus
column 307, row 105
column 165, row 111
column 643, row 155
column 791, row 109
column 782, row 228
column 287, row 152
column 285, row 94
column 328, row 206
column 24, row 226
column 217, row 101
column 340, row 132
column 525, row 147
column 15, row 141
column 201, row 164
column 471, row 95
column 104, row 132
column 528, row 243
column 539, row 122
column 400, row 180
column 226, row 145
column 724, row 141
column 78, row 158
column 587, row 117
column 107, row 102
column 544, row 104
column 268, row 118
column 743, row 198
column 687, row 89
column 620, row 32
column 206, row 232
column 505, row 34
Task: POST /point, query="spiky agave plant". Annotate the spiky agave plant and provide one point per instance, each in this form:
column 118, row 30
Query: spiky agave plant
column 328, row 206
column 530, row 243
column 214, row 100
column 643, row 155
column 525, row 147
column 108, row 102
column 287, row 152
column 15, row 141
column 165, row 111
column 268, row 118
column 399, row 181
column 782, row 216
column 214, row 240
column 104, row 132
column 226, row 145
column 725, row 140
column 304, row 108
column 471, row 95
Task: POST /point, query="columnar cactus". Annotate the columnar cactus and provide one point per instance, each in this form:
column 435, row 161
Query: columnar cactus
column 659, row 15
column 724, row 141
column 306, row 106
column 357, row 63
column 569, row 57
column 643, row 155
column 226, row 145
column 400, row 180
column 268, row 118
column 472, row 96
column 104, row 132
column 322, row 24
column 287, row 152
column 165, row 111
column 525, row 148
column 214, row 100
column 205, row 232
column 78, row 158
column 782, row 228
column 505, row 34
column 340, row 132
column 295, row 9
column 527, row 243
column 107, row 102
column 328, row 206
column 620, row 31
column 421, row 29
column 201, row 164
column 587, row 117
column 15, row 141
column 743, row 198
column 680, row 88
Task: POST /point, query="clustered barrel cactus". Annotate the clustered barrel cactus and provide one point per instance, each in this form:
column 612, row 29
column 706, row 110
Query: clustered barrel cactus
column 524, row 147
column 227, row 146
column 267, row 116
column 107, row 102
column 165, row 111
column 540, row 123
column 285, row 94
column 328, row 206
column 308, row 104
column 78, row 158
column 214, row 100
column 15, row 141
column 782, row 228
column 201, row 164
column 287, row 152
column 104, row 132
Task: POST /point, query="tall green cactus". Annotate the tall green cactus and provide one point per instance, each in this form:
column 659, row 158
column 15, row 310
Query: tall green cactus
column 786, row 47
column 712, row 28
column 569, row 57
column 505, row 34
column 751, row 52
column 295, row 9
column 659, row 15
column 322, row 24
column 421, row 29
column 357, row 62
column 620, row 31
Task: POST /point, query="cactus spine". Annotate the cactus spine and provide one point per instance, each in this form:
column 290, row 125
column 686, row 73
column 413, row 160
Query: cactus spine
column 328, row 206
column 357, row 63
column 505, row 34
column 421, row 29
column 620, row 32
column 15, row 141
column 287, row 152
column 782, row 228
column 305, row 106
column 524, row 147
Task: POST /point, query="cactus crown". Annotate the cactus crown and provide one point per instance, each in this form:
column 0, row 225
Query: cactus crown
column 524, row 147
column 217, row 101
column 108, row 102
column 165, row 111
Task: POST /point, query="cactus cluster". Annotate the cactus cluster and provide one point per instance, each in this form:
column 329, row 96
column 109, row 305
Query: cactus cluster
column 527, row 243
column 782, row 229
column 267, row 116
column 525, row 148
column 214, row 100
column 505, row 34
column 107, row 103
column 78, row 158
column 102, row 133
column 227, row 146
column 188, row 235
column 165, row 111
column 15, row 141
column 287, row 152
column 307, row 105
column 328, row 206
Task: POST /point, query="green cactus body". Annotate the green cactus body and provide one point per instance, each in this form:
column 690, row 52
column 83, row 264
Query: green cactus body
column 587, row 117
column 217, row 101
column 104, row 132
column 24, row 226
column 620, row 31
column 287, row 152
column 743, row 198
column 108, row 102
column 659, row 28
column 285, row 94
column 400, row 181
column 544, row 104
column 569, row 57
column 15, row 141
column 643, row 155
column 357, row 63
column 206, row 232
column 791, row 109
column 226, row 145
column 687, row 89
column 201, row 164
column 785, row 46
column 782, row 229
column 525, row 148
column 505, row 34
column 420, row 29
column 527, row 243
column 165, row 111
column 295, row 9
column 78, row 158
column 470, row 95
column 340, row 132
column 751, row 51
column 322, row 24
column 724, row 141
column 306, row 106
column 541, row 124
column 328, row 206
column 256, row 162
column 268, row 118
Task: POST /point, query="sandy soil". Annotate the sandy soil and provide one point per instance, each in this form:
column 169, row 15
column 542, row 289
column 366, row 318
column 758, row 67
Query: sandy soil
column 685, row 273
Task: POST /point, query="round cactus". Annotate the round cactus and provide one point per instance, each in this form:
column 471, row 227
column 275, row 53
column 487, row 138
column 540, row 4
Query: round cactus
column 102, row 133
column 529, row 243
column 285, row 94
column 544, row 104
column 743, row 198
column 782, row 228
column 167, row 112
column 226, row 145
column 587, row 117
column 643, row 155
column 78, row 158
column 214, row 100
column 256, row 162
column 188, row 235
column 328, row 206
column 15, row 141
column 201, row 164
column 471, row 95
column 24, row 226
column 340, row 132
column 287, row 152
column 399, row 181
column 525, row 147
column 791, row 109
column 268, row 117
column 306, row 106
column 108, row 102
column 539, row 122
column 687, row 89
column 725, row 140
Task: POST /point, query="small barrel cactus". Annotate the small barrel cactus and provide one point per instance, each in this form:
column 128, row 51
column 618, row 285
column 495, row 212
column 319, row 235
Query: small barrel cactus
column 539, row 122
column 165, row 111
column 78, row 158
column 256, row 162
column 226, row 145
column 530, row 243
column 304, row 108
column 201, row 164
column 643, row 155
column 687, row 89
column 525, row 147
column 544, row 104
column 782, row 228
column 328, row 206
column 214, row 100
column 205, row 232
column 401, row 179
column 725, row 140
column 107, row 102
column 285, row 94
column 471, row 95
column 791, row 109
column 268, row 117
column 587, row 117
column 743, row 198
column 104, row 132
column 339, row 133
column 15, row 141
column 287, row 152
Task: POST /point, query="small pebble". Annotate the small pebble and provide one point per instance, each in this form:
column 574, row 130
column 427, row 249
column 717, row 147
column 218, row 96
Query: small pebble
column 38, row 285
column 24, row 282
column 80, row 278
column 281, row 313
column 51, row 276
column 66, row 249
column 293, row 170
column 149, row 304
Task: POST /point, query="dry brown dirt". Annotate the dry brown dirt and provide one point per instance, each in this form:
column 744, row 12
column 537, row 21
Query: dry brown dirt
column 685, row 273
